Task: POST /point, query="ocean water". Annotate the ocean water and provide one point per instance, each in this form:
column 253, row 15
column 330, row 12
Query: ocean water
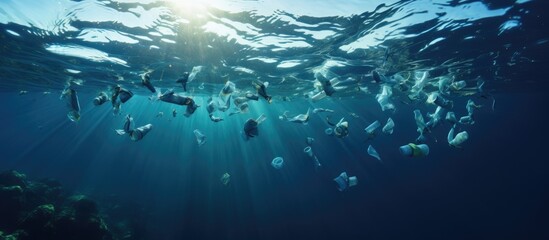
column 494, row 185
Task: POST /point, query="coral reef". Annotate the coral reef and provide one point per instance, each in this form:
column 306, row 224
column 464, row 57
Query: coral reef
column 41, row 210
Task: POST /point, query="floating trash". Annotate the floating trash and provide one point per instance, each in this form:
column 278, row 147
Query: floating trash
column 135, row 134
column 229, row 88
column 200, row 138
column 383, row 98
column 225, row 178
column 146, row 81
column 444, row 85
column 301, row 118
column 353, row 181
column 457, row 140
column 440, row 101
column 277, row 163
column 121, row 94
column 309, row 152
column 434, row 118
column 250, row 127
column 471, row 106
column 421, row 126
column 319, row 110
column 140, row 132
column 261, row 88
column 170, row 97
column 344, row 182
column 341, row 129
column 389, row 126
column 71, row 100
column 101, row 98
column 183, row 80
column 451, row 118
column 466, row 120
column 194, row 73
column 413, row 150
column 372, row 127
column 372, row 151
column 456, row 86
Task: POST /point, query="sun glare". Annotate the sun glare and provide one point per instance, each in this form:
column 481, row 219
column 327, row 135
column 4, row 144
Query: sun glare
column 192, row 6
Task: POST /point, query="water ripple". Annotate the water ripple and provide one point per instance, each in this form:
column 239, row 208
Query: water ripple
column 243, row 40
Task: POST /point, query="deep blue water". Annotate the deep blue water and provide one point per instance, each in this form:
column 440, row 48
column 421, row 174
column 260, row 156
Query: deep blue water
column 494, row 186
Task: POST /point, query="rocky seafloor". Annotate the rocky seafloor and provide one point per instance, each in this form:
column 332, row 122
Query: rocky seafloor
column 41, row 209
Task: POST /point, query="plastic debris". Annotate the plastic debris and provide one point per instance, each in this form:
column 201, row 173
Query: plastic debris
column 413, row 150
column 309, row 152
column 451, row 118
column 226, row 105
column 326, row 84
column 200, row 138
column 389, row 126
column 456, row 86
column 211, row 109
column 457, row 140
column 466, row 120
column 227, row 89
column 319, row 110
column 444, row 85
column 119, row 96
column 170, row 97
column 146, row 81
column 251, row 96
column 261, row 88
column 250, row 127
column 194, row 72
column 101, row 98
column 440, row 101
column 225, row 178
column 372, row 151
column 471, row 106
column 341, row 129
column 421, row 79
column 375, row 76
column 135, row 134
column 421, row 126
column 344, row 182
column 277, row 163
column 383, row 98
column 184, row 79
column 71, row 100
column 140, row 132
column 370, row 130
column 434, row 118
column 301, row 118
